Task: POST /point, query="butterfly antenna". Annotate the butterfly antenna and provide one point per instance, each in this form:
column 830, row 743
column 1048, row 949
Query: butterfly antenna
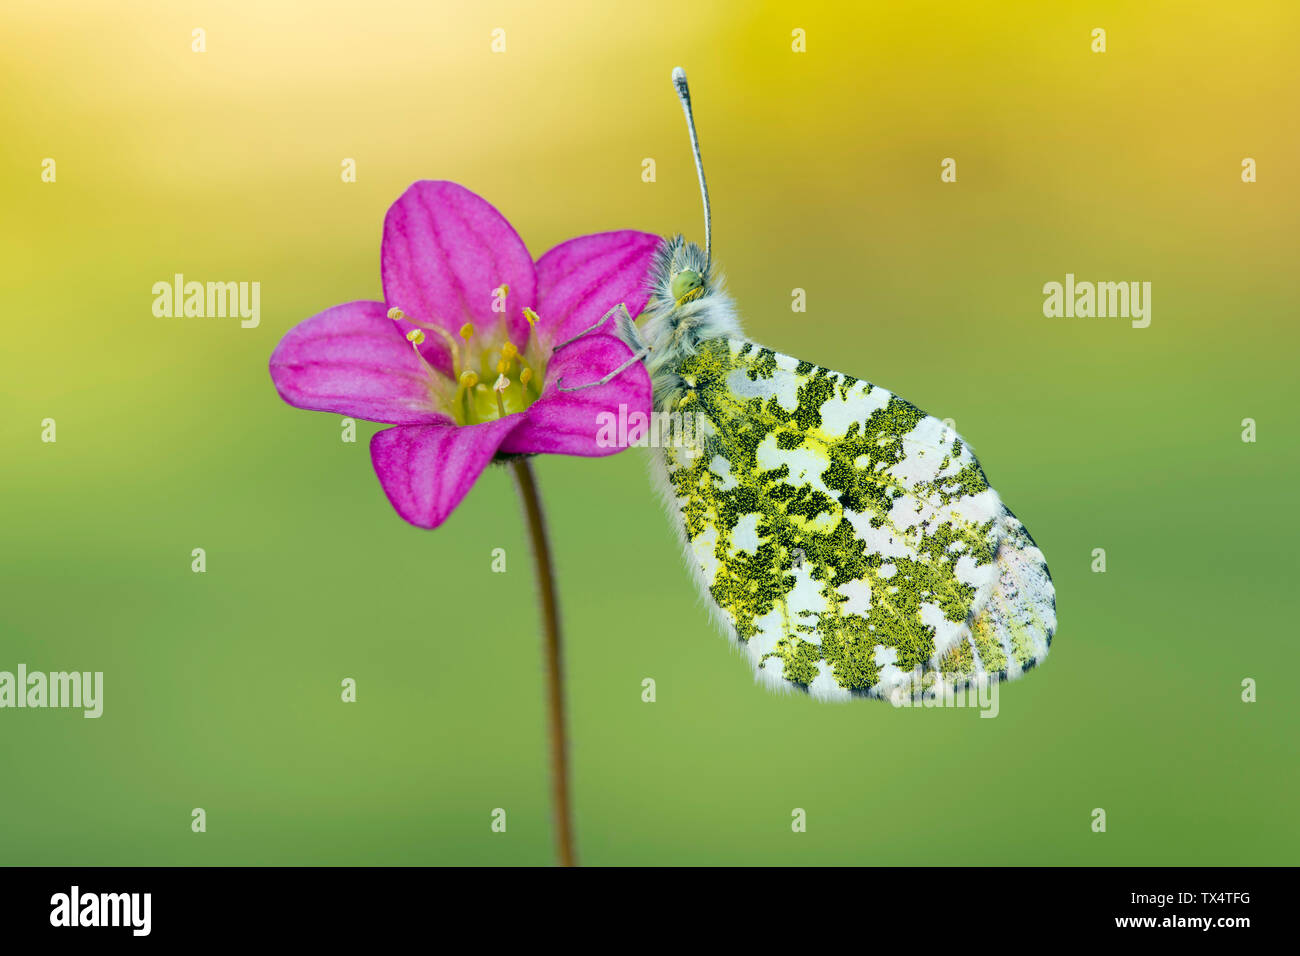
column 684, row 94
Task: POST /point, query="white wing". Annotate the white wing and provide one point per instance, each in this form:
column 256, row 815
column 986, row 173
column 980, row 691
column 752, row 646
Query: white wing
column 848, row 542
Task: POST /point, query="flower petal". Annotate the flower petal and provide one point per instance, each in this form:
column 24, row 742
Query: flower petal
column 445, row 252
column 427, row 469
column 352, row 360
column 579, row 423
column 580, row 280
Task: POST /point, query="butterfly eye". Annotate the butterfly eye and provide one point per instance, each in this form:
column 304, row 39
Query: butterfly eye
column 686, row 285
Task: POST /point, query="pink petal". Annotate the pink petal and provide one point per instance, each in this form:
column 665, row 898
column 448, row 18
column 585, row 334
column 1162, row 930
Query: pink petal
column 445, row 251
column 427, row 469
column 582, row 279
column 577, row 423
column 352, row 360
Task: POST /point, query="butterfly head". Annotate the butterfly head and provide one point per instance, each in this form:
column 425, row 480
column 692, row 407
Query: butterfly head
column 686, row 286
column 681, row 273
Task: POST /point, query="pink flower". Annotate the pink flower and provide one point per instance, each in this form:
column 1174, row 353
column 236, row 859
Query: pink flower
column 458, row 356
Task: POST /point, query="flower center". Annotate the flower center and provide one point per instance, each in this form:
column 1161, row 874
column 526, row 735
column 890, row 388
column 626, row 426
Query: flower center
column 490, row 379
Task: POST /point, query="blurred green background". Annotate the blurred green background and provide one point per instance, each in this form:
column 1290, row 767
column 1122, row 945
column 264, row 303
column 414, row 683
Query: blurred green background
column 222, row 689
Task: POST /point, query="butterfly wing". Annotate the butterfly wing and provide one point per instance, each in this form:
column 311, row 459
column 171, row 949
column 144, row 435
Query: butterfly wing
column 848, row 542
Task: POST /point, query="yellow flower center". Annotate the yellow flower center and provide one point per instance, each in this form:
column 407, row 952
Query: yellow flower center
column 489, row 381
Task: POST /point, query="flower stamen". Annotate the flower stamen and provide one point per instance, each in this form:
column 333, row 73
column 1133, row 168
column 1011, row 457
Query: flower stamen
column 464, row 392
column 397, row 315
column 502, row 383
column 416, row 338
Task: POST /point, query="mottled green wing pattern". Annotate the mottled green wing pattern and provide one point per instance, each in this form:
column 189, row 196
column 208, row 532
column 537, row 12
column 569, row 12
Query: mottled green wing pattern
column 849, row 542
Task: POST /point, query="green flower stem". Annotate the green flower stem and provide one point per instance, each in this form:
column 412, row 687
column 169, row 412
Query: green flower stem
column 550, row 608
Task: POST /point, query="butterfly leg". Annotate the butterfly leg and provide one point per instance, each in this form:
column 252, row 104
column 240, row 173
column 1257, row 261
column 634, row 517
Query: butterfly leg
column 601, row 321
column 625, row 329
column 636, row 357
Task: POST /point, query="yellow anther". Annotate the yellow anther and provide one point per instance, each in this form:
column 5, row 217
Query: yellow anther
column 531, row 316
column 467, row 331
column 508, row 351
column 468, row 379
column 396, row 314
column 525, row 376
column 502, row 367
column 416, row 338
column 502, row 290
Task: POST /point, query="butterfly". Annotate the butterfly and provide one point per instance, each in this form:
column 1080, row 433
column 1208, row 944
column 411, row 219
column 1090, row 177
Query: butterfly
column 848, row 542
